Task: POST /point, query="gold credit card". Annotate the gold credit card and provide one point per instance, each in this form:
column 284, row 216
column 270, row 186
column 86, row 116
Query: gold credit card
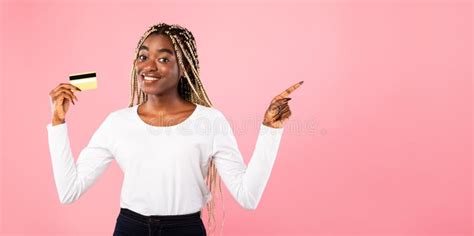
column 84, row 81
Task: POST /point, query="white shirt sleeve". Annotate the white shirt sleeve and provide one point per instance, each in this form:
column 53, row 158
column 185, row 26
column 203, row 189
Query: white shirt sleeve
column 72, row 180
column 246, row 184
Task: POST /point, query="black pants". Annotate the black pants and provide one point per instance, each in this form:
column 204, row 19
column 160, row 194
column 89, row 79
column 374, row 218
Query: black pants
column 134, row 224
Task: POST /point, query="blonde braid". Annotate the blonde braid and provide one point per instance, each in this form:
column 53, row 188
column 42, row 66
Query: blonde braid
column 195, row 72
column 180, row 60
column 181, row 37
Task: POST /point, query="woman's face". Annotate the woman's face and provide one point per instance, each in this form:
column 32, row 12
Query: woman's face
column 157, row 60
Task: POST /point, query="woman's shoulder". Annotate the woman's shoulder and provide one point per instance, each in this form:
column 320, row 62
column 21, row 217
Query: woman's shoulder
column 211, row 112
column 122, row 110
column 117, row 114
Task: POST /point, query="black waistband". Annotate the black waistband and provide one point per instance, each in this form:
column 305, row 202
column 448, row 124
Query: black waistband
column 143, row 218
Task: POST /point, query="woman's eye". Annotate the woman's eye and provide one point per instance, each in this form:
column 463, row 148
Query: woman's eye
column 141, row 57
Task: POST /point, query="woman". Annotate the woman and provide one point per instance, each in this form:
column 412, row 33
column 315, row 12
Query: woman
column 170, row 144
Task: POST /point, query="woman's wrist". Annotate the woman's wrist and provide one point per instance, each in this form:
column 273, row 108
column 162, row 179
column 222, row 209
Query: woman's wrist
column 57, row 121
column 270, row 125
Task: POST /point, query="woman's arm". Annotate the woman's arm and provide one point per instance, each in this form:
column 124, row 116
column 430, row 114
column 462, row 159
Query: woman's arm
column 72, row 180
column 245, row 183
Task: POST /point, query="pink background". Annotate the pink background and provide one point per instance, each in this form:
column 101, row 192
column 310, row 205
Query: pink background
column 380, row 141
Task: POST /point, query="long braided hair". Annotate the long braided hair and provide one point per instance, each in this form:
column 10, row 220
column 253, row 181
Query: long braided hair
column 189, row 86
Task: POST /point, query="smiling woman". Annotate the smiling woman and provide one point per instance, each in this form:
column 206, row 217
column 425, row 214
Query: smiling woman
column 166, row 66
column 170, row 176
column 157, row 48
column 157, row 62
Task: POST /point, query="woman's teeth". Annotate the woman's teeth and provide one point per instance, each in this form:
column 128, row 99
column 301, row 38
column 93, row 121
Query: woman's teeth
column 150, row 78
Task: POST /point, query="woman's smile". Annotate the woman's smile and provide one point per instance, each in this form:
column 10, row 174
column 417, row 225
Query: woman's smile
column 150, row 78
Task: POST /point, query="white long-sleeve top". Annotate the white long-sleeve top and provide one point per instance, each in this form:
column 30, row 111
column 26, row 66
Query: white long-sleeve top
column 164, row 166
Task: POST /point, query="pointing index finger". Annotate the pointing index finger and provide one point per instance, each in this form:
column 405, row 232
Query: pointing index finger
column 289, row 90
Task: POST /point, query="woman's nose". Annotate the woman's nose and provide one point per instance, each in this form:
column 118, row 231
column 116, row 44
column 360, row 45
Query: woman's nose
column 150, row 65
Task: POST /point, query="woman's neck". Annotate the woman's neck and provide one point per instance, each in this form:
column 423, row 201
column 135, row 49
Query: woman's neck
column 164, row 103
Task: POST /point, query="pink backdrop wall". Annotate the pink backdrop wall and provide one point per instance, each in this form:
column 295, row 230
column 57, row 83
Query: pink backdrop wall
column 380, row 141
